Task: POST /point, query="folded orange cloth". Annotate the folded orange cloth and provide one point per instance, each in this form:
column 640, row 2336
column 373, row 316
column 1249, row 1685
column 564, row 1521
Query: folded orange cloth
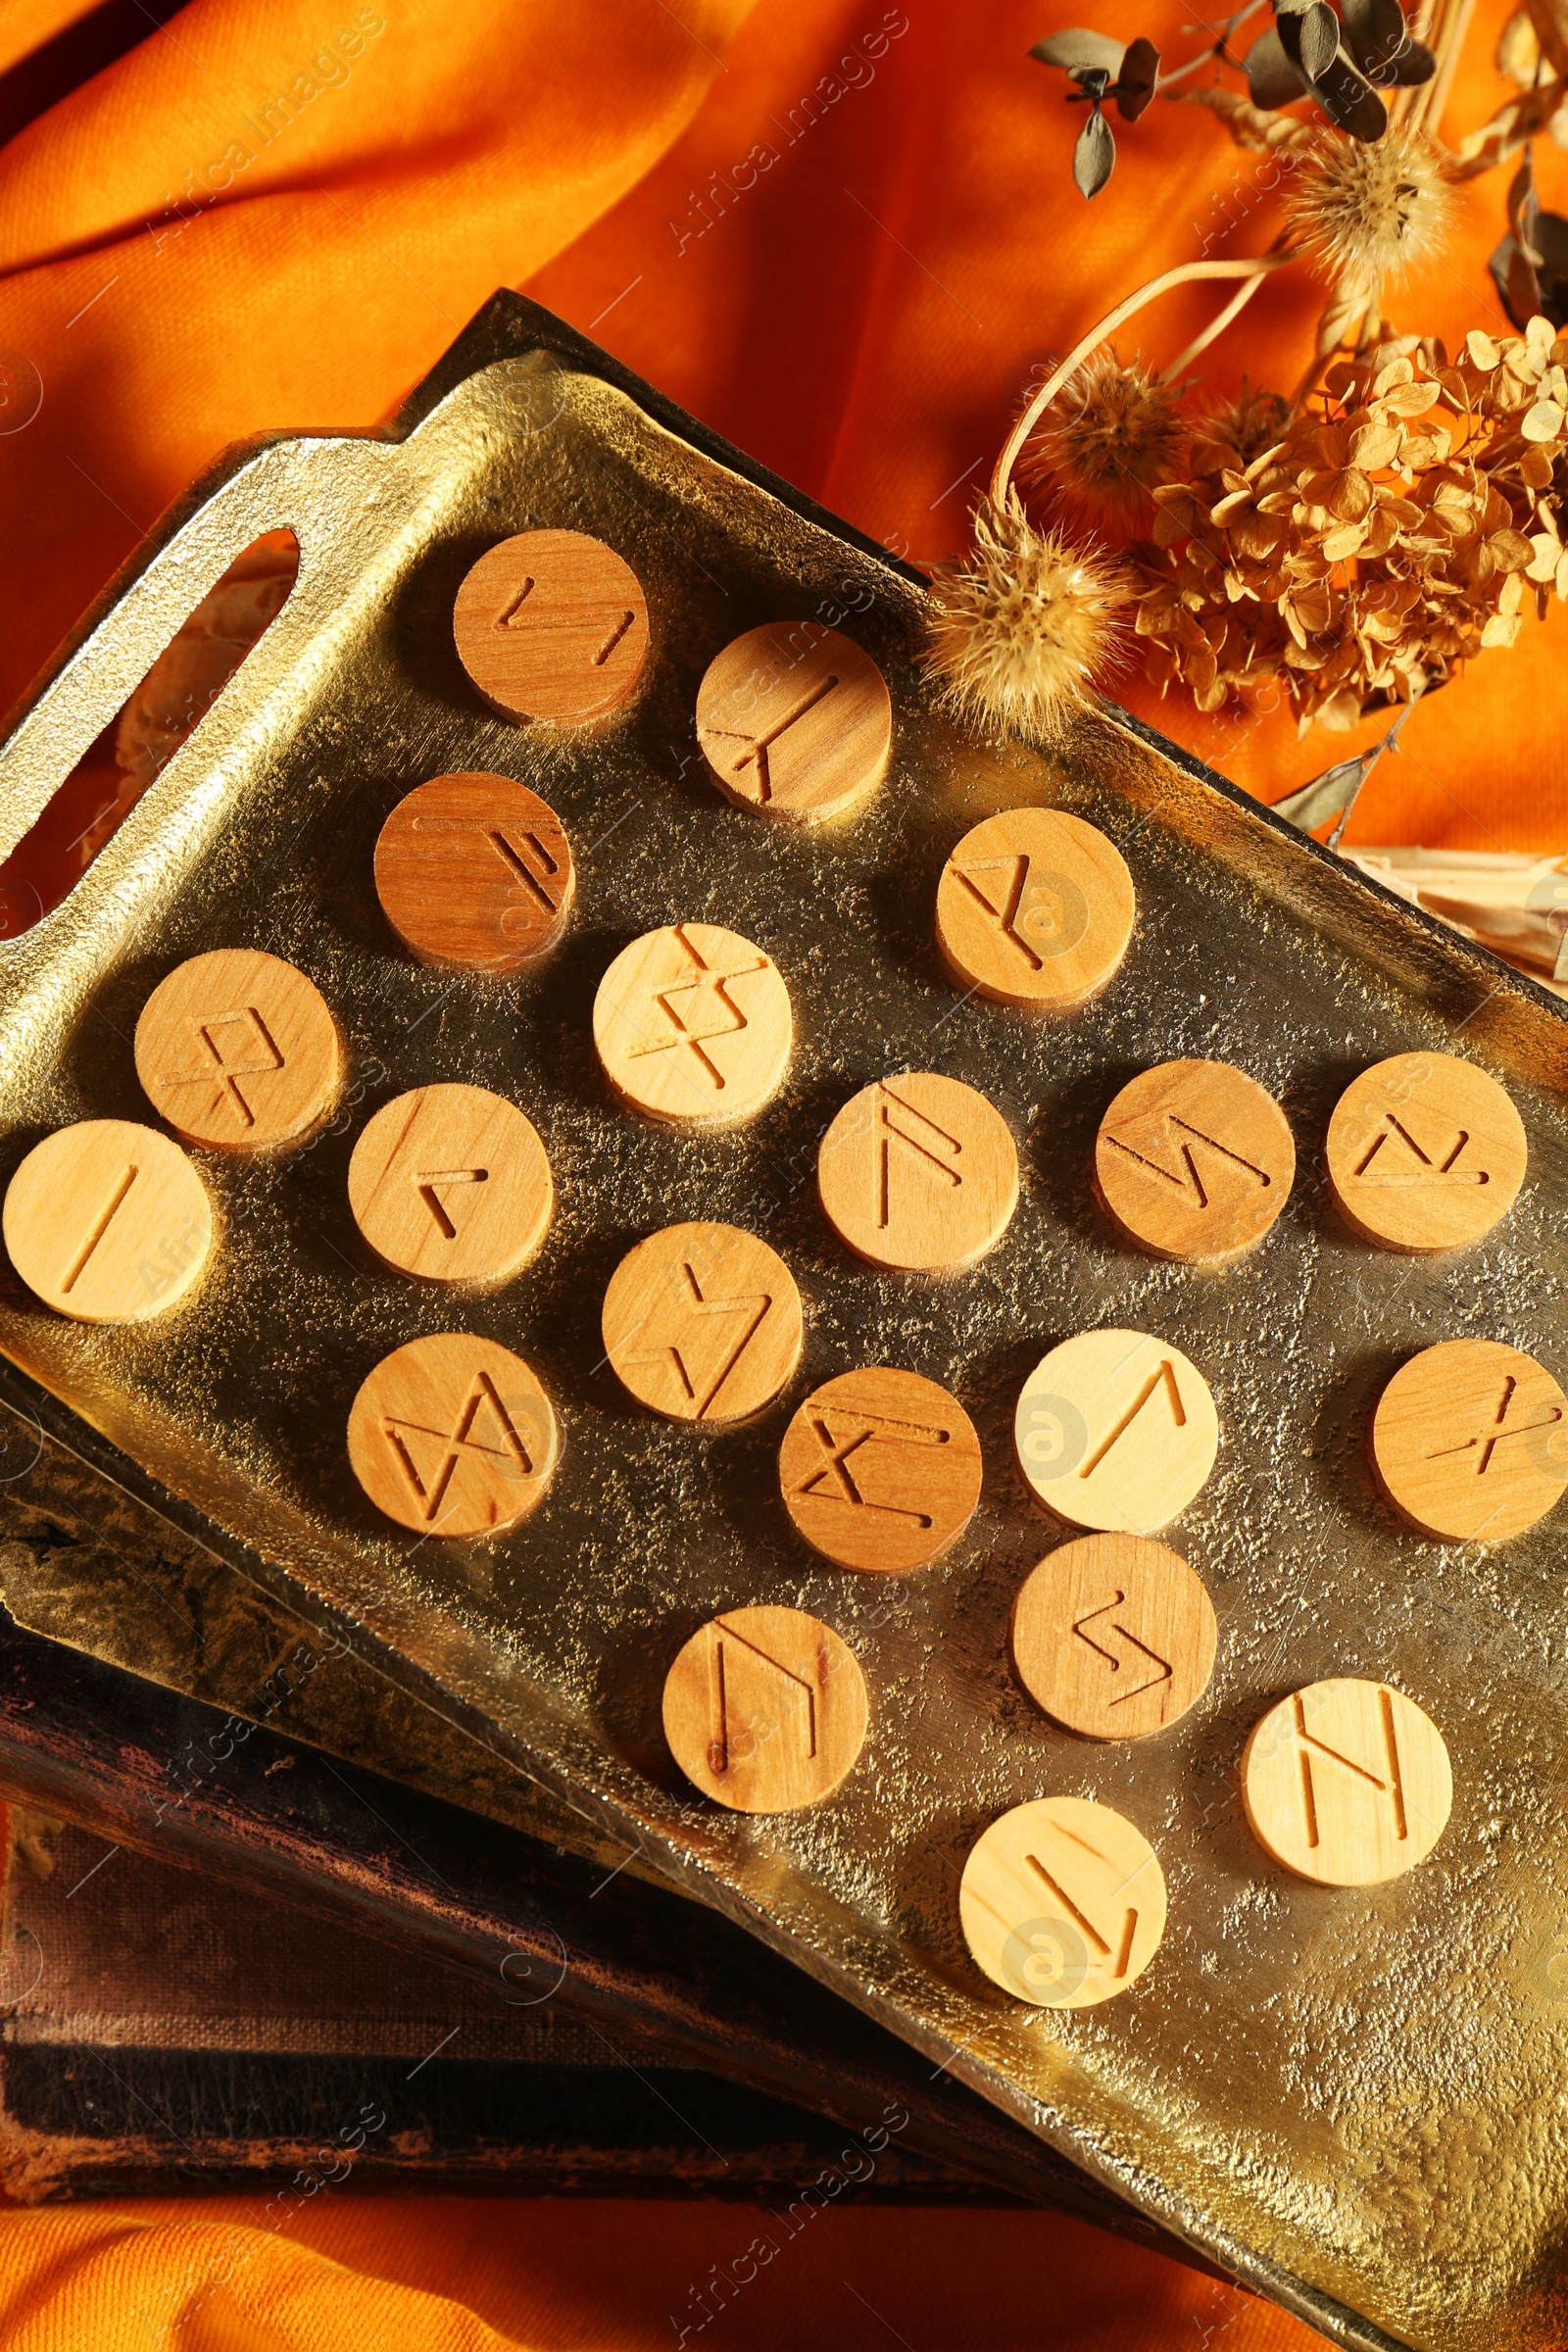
column 843, row 232
column 453, row 2275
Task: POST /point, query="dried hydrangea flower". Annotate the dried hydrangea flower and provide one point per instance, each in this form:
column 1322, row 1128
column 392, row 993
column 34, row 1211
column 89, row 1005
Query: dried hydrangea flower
column 1384, row 539
column 1369, row 213
column 1019, row 629
column 1113, row 434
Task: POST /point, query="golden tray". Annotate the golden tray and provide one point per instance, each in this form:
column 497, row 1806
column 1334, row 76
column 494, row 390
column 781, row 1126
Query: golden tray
column 1350, row 2099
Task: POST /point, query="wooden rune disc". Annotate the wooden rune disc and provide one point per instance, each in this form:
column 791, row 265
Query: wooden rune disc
column 1194, row 1159
column 919, row 1172
column 1035, row 907
column 1113, row 1637
column 1063, row 1903
column 451, row 1183
column 703, row 1322
column 108, row 1222
column 1116, row 1431
column 793, row 720
column 474, row 874
column 693, row 1025
column 237, row 1051
column 765, row 1710
column 1425, row 1152
column 880, row 1470
column 1347, row 1782
column 552, row 624
column 453, row 1436
column 1470, row 1442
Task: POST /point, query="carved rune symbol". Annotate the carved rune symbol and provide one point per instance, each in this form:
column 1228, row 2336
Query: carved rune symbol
column 429, row 1459
column 1039, row 915
column 1174, row 1139
column 1054, row 1882
column 100, row 1226
column 1388, row 1783
column 427, row 1185
column 759, row 746
column 231, row 1046
column 927, row 1149
column 1400, row 1160
column 1492, row 1434
column 711, row 1335
column 617, row 619
column 526, row 859
column 754, row 1696
column 1120, row 1661
column 1161, row 1380
column 699, row 1009
column 843, row 1434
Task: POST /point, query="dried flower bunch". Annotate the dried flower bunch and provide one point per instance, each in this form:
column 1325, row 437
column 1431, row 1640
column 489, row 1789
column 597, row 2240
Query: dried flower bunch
column 1345, row 548
column 1390, row 535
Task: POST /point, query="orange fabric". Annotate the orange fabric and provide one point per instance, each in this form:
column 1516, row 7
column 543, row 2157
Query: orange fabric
column 843, row 246
column 844, row 233
column 449, row 2275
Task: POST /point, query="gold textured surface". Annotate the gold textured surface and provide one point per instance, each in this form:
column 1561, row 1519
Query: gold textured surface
column 1353, row 2097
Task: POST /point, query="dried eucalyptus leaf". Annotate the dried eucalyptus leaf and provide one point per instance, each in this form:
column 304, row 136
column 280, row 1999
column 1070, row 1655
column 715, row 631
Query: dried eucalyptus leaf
column 1134, row 85
column 1271, row 77
column 1376, row 36
column 1523, row 209
column 1329, row 795
column 1535, row 287
column 1317, row 39
column 1094, row 159
column 1513, row 274
column 1077, row 47
column 1414, row 64
column 1351, row 103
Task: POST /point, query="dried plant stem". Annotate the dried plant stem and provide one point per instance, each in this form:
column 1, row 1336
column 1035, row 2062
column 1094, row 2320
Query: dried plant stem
column 1205, row 57
column 1339, row 311
column 1183, row 274
column 1508, row 129
column 1219, row 324
column 1432, row 98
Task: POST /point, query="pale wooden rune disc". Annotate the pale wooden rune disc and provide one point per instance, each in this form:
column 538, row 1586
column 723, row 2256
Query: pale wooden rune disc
column 108, row 1222
column 238, row 1052
column 450, row 1183
column 693, row 1025
column 552, row 624
column 1470, row 1442
column 1035, row 907
column 793, row 720
column 474, row 874
column 918, row 1172
column 1116, row 1431
column 703, row 1322
column 1194, row 1159
column 880, row 1470
column 1063, row 1903
column 765, row 1710
column 1113, row 1637
column 1346, row 1783
column 453, row 1436
column 1425, row 1152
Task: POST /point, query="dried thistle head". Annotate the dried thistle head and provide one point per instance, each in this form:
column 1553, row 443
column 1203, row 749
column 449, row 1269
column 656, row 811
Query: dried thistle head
column 1253, row 422
column 1018, row 629
column 1369, row 213
column 1110, row 438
